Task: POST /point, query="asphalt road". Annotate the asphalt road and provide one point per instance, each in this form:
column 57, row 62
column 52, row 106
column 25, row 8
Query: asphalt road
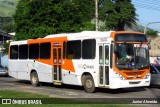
column 69, row 91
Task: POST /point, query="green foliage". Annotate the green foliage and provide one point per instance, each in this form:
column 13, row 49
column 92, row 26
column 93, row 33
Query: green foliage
column 151, row 33
column 88, row 26
column 117, row 13
column 20, row 94
column 38, row 18
column 6, row 24
column 5, row 46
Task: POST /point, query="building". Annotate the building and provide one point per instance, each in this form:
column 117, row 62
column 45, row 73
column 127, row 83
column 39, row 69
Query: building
column 155, row 47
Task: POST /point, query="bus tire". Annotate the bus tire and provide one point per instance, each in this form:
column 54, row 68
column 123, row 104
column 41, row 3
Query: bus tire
column 34, row 79
column 89, row 84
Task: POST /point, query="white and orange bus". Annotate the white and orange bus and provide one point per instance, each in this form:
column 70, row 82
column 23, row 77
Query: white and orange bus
column 91, row 59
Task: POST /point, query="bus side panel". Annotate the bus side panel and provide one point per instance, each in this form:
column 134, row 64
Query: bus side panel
column 22, row 68
column 81, row 66
column 18, row 69
column 44, row 71
column 12, row 69
column 70, row 78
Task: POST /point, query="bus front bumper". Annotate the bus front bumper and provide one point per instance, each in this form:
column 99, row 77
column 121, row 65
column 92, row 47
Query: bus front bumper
column 116, row 83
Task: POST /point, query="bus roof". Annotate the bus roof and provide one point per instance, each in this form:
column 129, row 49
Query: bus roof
column 83, row 35
column 18, row 42
column 79, row 35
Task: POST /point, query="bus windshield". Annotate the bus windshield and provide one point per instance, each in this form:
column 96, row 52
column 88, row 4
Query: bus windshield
column 132, row 56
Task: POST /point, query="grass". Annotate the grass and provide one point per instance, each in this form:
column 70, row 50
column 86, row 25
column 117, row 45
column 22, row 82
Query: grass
column 65, row 102
column 19, row 94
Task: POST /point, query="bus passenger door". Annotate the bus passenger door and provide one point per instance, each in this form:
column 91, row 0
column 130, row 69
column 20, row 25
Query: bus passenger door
column 104, row 64
column 57, row 65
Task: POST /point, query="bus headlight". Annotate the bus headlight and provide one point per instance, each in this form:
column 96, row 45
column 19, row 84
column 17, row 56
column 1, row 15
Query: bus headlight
column 118, row 75
column 121, row 77
column 147, row 75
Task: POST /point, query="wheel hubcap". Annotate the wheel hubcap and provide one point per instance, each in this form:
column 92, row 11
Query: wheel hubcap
column 89, row 84
column 34, row 79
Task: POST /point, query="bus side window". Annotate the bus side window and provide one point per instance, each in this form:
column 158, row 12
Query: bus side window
column 73, row 49
column 23, row 51
column 34, row 51
column 14, row 52
column 45, row 50
column 89, row 49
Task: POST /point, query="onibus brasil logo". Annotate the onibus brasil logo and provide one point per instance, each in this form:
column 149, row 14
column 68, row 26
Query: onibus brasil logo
column 21, row 101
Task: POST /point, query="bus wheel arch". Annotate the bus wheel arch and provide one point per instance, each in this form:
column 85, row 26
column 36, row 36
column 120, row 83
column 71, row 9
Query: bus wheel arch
column 88, row 82
column 34, row 78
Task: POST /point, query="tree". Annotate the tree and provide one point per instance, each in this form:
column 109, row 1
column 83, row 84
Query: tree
column 38, row 18
column 5, row 48
column 117, row 13
column 6, row 24
column 151, row 33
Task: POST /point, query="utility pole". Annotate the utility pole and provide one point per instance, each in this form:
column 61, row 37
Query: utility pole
column 96, row 15
column 145, row 29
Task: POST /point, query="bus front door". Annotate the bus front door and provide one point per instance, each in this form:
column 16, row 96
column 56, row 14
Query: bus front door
column 57, row 65
column 104, row 64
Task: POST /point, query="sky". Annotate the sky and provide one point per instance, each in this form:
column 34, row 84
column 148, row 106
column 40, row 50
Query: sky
column 148, row 11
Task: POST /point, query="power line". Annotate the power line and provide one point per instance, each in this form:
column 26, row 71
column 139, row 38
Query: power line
column 145, row 29
column 146, row 6
column 149, row 2
column 155, row 26
column 150, row 5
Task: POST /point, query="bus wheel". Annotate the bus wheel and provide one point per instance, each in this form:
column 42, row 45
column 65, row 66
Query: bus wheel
column 34, row 79
column 89, row 84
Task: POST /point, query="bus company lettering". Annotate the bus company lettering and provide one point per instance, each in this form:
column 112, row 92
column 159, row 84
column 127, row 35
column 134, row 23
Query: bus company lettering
column 85, row 66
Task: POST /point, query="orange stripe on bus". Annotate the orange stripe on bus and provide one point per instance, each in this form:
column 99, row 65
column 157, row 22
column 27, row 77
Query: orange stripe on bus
column 67, row 64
